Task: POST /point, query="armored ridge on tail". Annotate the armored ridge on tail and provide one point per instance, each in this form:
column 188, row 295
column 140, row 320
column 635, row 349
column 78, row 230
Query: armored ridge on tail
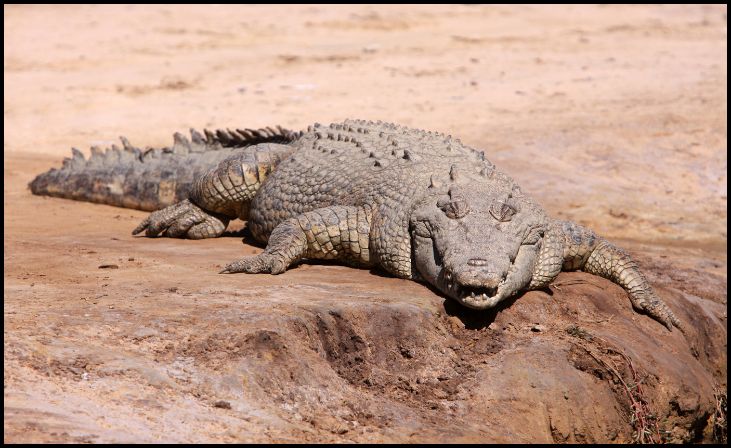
column 151, row 178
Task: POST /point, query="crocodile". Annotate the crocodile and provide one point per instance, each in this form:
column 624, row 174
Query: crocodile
column 418, row 205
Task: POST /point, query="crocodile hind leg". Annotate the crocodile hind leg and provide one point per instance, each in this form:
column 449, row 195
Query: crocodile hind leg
column 221, row 194
column 568, row 246
column 329, row 233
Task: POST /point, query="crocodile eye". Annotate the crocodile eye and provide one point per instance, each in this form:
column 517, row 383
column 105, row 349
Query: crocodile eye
column 454, row 209
column 456, row 206
column 502, row 211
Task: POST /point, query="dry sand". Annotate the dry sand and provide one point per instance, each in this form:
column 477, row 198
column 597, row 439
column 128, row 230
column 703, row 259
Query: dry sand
column 613, row 116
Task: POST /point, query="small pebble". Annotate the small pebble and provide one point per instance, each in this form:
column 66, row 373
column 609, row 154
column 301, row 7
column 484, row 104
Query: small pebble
column 222, row 404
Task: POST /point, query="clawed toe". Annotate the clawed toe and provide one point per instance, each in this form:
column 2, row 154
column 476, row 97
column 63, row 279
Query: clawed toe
column 649, row 303
column 182, row 220
column 142, row 226
column 160, row 220
column 249, row 265
column 262, row 263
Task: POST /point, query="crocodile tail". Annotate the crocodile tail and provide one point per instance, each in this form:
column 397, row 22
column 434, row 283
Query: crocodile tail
column 152, row 178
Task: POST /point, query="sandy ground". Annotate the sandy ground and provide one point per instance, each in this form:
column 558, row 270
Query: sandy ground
column 612, row 116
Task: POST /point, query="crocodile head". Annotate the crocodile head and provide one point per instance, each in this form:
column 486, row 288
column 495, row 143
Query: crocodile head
column 477, row 244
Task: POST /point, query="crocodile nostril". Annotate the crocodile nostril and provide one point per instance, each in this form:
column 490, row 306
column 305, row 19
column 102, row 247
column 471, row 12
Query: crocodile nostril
column 477, row 262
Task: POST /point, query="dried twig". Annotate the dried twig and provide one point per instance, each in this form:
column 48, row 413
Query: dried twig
column 642, row 419
column 720, row 424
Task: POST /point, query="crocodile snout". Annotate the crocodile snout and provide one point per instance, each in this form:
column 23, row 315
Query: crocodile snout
column 479, row 278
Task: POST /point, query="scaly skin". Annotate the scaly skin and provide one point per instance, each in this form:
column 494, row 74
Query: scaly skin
column 419, row 205
column 229, row 188
column 571, row 247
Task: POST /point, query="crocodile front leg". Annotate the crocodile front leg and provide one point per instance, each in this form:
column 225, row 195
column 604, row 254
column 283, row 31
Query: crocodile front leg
column 329, row 233
column 568, row 246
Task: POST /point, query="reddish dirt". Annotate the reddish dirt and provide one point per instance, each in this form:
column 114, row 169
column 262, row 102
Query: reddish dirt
column 613, row 116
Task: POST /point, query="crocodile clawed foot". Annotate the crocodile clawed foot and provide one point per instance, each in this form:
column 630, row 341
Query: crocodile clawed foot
column 182, row 220
column 650, row 303
column 262, row 263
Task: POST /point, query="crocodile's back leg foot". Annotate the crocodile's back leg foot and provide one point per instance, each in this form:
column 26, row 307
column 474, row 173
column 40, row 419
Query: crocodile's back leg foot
column 183, row 220
column 221, row 194
column 330, row 233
